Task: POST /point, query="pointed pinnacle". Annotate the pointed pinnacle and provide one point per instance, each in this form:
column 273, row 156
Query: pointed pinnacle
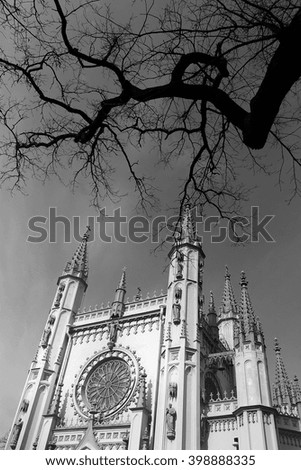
column 142, row 391
column 118, row 305
column 86, row 235
column 277, row 348
column 187, row 225
column 282, row 382
column 168, row 332
column 83, row 244
column 54, row 407
column 275, row 395
column 259, row 327
column 79, row 262
column 183, row 333
column 228, row 301
column 211, row 303
column 236, row 330
column 122, row 282
column 297, row 388
column 243, row 279
column 246, row 309
column 227, row 273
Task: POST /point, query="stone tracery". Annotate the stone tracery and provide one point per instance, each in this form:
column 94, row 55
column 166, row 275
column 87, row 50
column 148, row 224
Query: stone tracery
column 108, row 383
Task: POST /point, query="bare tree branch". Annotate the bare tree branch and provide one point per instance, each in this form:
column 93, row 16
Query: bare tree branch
column 215, row 79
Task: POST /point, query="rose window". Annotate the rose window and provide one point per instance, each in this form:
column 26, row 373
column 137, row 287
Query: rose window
column 108, row 385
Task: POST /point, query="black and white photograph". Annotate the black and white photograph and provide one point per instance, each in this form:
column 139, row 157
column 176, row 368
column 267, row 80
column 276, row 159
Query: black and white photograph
column 150, row 237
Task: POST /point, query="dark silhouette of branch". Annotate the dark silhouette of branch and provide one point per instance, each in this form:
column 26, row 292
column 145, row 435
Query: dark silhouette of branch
column 216, row 77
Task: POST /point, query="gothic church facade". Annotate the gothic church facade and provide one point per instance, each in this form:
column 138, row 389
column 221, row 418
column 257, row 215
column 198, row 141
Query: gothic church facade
column 157, row 373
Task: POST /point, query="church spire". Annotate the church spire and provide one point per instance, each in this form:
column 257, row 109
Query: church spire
column 188, row 231
column 118, row 303
column 248, row 321
column 282, row 389
column 78, row 266
column 122, row 282
column 185, row 233
column 229, row 306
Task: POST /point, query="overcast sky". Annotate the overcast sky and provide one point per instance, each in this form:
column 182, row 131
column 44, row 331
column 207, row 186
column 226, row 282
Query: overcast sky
column 29, row 271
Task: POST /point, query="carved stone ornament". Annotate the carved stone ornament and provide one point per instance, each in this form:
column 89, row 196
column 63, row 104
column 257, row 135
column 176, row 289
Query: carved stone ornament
column 45, row 337
column 178, row 293
column 51, row 444
column 51, row 319
column 117, row 310
column 107, row 384
column 125, row 440
column 205, row 429
column 35, row 444
column 59, row 295
column 145, row 440
column 176, row 313
column 180, row 259
column 68, row 267
column 173, row 390
column 138, row 296
column 201, row 273
column 16, row 433
column 24, row 406
column 113, row 332
column 171, row 416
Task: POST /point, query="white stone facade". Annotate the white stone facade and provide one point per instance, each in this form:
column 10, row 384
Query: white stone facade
column 156, row 373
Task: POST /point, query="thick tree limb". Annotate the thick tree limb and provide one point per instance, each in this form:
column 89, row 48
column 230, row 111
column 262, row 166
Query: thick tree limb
column 198, row 58
column 220, row 99
column 282, row 72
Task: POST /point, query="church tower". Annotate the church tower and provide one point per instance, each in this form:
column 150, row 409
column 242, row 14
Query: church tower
column 36, row 413
column 256, row 417
column 159, row 372
column 286, row 392
column 178, row 411
column 287, row 402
